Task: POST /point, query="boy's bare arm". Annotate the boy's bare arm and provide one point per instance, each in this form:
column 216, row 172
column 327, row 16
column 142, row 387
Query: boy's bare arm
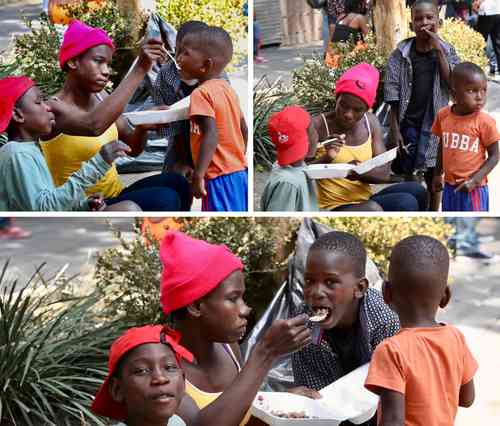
column 208, row 146
column 444, row 66
column 467, row 394
column 476, row 179
column 395, row 133
column 437, row 179
column 393, row 408
column 244, row 131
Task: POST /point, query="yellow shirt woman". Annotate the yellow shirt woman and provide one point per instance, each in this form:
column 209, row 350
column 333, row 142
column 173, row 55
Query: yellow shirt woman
column 202, row 398
column 66, row 153
column 333, row 193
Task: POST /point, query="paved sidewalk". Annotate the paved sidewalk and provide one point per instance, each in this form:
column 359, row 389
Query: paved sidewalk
column 475, row 305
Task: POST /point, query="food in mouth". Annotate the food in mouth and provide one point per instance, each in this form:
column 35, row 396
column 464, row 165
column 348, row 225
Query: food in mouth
column 319, row 314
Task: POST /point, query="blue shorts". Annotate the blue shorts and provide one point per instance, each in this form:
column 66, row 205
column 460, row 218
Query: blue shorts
column 227, row 193
column 475, row 201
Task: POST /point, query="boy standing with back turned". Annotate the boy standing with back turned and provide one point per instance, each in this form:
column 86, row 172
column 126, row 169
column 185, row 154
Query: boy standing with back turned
column 426, row 371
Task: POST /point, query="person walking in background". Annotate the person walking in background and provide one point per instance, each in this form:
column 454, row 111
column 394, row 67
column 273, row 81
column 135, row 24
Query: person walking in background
column 8, row 230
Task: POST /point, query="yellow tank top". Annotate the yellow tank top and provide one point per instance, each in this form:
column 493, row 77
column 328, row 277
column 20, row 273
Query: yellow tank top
column 333, row 193
column 66, row 153
column 202, row 399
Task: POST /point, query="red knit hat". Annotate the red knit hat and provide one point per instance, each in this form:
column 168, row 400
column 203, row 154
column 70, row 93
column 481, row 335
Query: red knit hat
column 288, row 131
column 361, row 81
column 80, row 37
column 11, row 88
column 104, row 404
column 191, row 269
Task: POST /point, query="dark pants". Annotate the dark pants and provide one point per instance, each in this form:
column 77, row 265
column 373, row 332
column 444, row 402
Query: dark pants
column 490, row 26
column 162, row 192
column 402, row 197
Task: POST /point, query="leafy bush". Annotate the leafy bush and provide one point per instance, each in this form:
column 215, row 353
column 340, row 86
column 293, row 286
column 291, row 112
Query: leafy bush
column 36, row 53
column 227, row 14
column 53, row 352
column 380, row 234
column 468, row 43
column 267, row 99
column 313, row 84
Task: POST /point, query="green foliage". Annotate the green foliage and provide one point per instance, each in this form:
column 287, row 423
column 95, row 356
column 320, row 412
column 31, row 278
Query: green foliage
column 267, row 99
column 313, row 84
column 53, row 352
column 36, row 53
column 129, row 276
column 380, row 234
column 227, row 14
column 468, row 43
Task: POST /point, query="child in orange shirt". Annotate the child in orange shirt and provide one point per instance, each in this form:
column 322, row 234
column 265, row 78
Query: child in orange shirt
column 218, row 130
column 424, row 372
column 468, row 148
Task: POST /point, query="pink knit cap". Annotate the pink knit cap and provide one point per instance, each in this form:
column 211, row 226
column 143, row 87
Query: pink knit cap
column 80, row 37
column 191, row 269
column 361, row 81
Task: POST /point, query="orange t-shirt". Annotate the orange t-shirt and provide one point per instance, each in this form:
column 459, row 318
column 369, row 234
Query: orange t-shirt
column 465, row 139
column 428, row 365
column 216, row 99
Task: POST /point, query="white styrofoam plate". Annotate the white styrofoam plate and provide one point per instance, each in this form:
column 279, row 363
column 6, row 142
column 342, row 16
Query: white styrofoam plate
column 349, row 393
column 288, row 402
column 340, row 170
column 328, row 171
column 176, row 112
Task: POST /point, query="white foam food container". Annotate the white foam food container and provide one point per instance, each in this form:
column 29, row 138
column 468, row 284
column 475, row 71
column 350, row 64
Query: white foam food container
column 345, row 399
column 340, row 170
column 349, row 397
column 289, row 402
column 176, row 112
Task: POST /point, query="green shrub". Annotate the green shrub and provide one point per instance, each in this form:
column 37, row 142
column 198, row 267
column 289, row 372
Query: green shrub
column 36, row 53
column 267, row 99
column 53, row 352
column 227, row 14
column 468, row 43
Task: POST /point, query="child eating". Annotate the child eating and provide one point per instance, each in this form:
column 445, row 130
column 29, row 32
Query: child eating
column 352, row 317
column 218, row 129
column 288, row 188
column 426, row 371
column 468, row 149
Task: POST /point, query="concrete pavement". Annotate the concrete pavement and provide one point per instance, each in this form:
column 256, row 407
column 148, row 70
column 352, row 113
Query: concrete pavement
column 474, row 308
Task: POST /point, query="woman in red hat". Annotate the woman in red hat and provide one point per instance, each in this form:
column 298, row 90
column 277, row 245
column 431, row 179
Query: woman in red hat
column 357, row 137
column 86, row 118
column 202, row 290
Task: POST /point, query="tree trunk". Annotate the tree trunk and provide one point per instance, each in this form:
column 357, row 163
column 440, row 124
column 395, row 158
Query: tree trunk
column 391, row 26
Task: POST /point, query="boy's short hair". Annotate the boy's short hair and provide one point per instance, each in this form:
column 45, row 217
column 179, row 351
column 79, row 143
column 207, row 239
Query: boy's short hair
column 346, row 244
column 217, row 43
column 465, row 70
column 419, row 2
column 418, row 256
column 190, row 27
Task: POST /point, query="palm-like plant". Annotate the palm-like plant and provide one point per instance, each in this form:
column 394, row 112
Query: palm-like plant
column 52, row 353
